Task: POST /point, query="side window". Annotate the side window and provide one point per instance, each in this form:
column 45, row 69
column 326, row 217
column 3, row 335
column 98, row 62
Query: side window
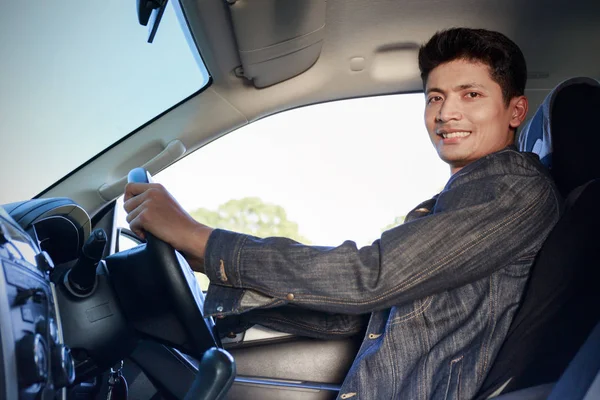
column 126, row 241
column 321, row 174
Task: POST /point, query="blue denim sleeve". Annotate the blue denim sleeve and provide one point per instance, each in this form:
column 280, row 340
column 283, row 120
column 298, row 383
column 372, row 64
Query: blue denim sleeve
column 480, row 223
column 297, row 321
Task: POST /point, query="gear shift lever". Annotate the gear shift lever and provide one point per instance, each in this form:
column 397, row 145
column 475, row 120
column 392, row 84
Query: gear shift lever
column 81, row 279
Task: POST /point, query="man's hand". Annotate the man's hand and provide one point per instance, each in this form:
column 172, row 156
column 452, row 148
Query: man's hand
column 151, row 208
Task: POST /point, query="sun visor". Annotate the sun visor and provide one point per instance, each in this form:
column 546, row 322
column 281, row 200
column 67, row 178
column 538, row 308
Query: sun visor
column 277, row 39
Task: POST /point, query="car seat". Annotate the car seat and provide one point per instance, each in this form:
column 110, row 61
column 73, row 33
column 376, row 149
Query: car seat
column 559, row 307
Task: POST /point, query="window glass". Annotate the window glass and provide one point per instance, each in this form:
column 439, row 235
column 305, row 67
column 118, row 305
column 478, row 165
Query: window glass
column 322, row 174
column 79, row 75
column 126, row 243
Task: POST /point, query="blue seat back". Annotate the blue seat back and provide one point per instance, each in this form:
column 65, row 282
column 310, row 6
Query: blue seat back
column 565, row 133
column 556, row 313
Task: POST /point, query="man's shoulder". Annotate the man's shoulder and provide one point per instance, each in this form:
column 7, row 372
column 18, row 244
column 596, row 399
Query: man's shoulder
column 507, row 175
column 507, row 162
column 517, row 160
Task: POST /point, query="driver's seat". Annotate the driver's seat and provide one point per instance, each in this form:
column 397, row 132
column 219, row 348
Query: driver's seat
column 560, row 305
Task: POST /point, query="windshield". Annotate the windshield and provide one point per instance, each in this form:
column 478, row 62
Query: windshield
column 77, row 77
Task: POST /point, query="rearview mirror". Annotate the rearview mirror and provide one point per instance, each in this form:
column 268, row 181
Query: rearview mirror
column 151, row 11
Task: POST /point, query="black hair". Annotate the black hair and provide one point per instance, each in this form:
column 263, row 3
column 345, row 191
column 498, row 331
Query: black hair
column 504, row 58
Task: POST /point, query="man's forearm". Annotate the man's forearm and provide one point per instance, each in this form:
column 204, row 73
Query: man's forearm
column 197, row 264
column 195, row 248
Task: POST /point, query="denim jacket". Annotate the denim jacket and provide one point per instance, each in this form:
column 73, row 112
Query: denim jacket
column 440, row 290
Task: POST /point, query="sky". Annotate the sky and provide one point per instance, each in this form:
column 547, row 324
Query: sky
column 76, row 77
column 80, row 75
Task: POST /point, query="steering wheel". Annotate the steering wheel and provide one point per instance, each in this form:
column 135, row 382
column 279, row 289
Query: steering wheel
column 149, row 292
column 173, row 277
column 169, row 268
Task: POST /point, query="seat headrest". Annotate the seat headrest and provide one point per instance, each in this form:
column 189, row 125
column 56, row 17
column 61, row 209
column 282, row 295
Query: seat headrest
column 564, row 133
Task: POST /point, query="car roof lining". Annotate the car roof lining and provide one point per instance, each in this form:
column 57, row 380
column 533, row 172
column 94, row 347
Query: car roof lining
column 385, row 33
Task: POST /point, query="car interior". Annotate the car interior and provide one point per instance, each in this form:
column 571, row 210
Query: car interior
column 78, row 313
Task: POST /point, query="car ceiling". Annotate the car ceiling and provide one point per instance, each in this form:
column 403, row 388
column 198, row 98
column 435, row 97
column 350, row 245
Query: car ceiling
column 560, row 39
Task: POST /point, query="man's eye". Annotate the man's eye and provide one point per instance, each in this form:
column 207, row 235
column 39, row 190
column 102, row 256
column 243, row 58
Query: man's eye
column 434, row 99
column 472, row 95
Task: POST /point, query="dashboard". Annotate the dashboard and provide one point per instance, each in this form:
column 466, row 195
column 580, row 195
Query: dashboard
column 52, row 264
column 70, row 311
column 34, row 357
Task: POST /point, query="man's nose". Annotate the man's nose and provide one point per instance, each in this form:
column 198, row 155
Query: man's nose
column 449, row 110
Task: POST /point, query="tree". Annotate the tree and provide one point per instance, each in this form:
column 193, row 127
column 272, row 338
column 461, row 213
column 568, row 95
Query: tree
column 397, row 221
column 252, row 216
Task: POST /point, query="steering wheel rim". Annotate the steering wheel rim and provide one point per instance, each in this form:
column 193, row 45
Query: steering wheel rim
column 186, row 302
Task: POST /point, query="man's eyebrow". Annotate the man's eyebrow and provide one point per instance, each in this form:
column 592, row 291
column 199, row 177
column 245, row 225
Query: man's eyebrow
column 472, row 85
column 434, row 89
column 464, row 86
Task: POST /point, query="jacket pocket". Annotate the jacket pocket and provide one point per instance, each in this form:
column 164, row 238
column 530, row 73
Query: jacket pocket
column 453, row 385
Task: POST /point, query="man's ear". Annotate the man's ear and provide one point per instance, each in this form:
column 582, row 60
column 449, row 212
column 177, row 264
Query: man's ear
column 519, row 106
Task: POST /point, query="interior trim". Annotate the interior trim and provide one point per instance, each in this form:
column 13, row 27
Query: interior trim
column 280, row 383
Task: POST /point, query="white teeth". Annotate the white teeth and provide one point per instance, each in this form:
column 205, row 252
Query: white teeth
column 455, row 135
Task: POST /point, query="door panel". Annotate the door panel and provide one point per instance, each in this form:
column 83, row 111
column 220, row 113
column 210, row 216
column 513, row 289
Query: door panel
column 250, row 391
column 299, row 368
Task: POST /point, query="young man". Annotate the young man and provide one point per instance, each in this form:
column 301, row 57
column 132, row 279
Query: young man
column 440, row 291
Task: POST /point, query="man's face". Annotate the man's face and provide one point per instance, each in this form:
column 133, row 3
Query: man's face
column 466, row 115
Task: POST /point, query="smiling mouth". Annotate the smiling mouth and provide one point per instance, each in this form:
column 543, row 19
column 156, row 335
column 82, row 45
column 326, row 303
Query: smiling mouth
column 451, row 135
